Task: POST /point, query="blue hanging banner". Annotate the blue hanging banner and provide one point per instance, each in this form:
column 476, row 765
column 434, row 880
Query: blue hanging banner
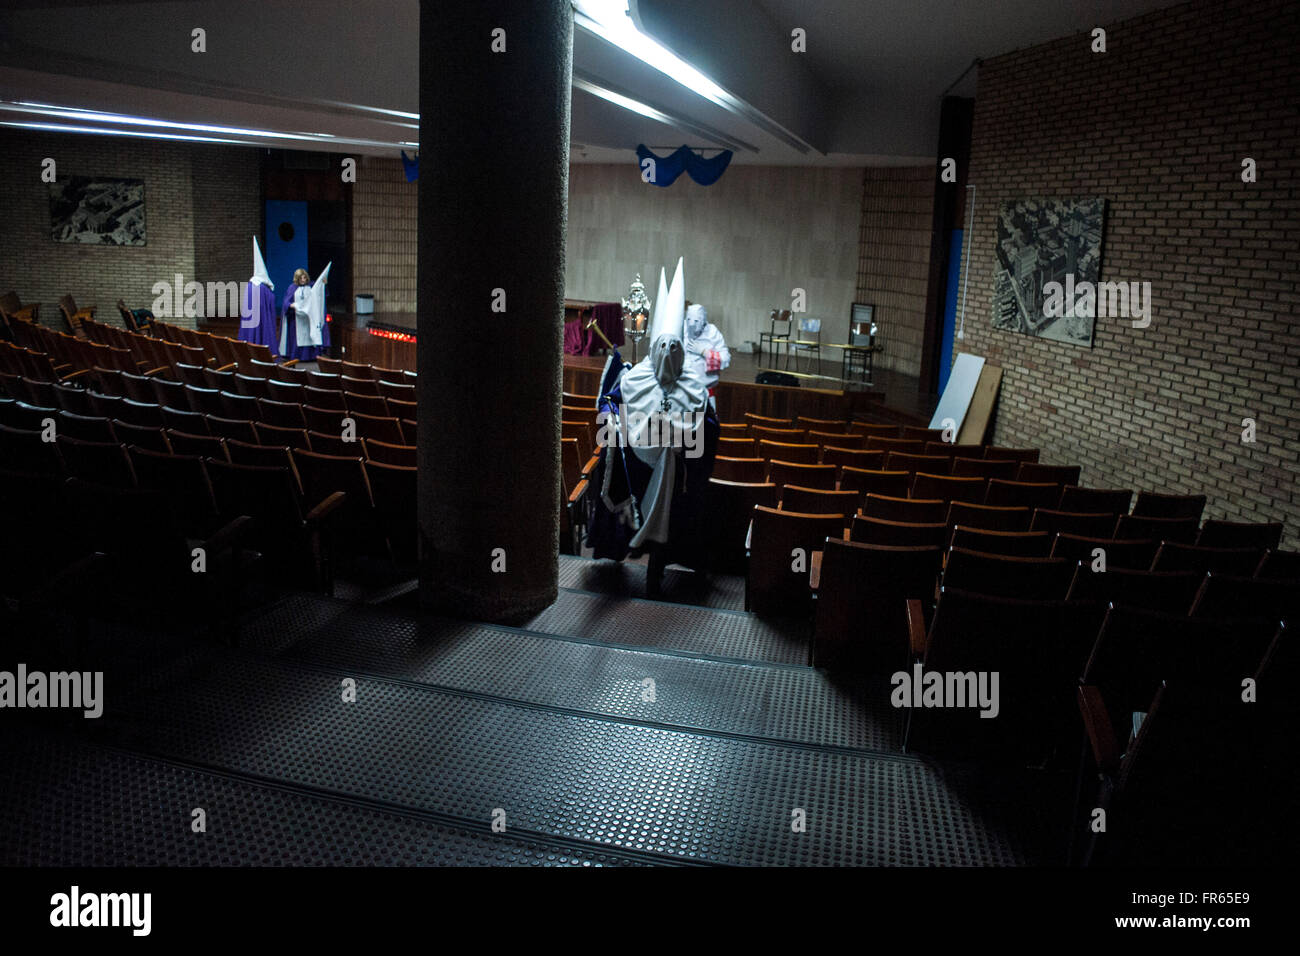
column 412, row 167
column 705, row 172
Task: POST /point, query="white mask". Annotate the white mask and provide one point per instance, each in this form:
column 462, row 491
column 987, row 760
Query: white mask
column 696, row 319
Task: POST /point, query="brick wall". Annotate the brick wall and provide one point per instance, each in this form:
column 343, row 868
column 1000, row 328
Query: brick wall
column 894, row 259
column 1159, row 125
column 180, row 179
column 384, row 217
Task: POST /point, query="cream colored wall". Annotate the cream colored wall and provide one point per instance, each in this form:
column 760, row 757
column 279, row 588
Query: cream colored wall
column 748, row 239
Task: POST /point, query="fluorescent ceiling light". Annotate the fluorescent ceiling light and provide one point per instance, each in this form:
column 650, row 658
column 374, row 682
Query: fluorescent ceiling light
column 64, row 128
column 609, row 20
column 618, row 99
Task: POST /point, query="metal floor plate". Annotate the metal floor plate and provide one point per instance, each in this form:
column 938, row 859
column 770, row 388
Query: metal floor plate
column 795, row 704
column 71, row 804
column 680, row 795
column 627, row 579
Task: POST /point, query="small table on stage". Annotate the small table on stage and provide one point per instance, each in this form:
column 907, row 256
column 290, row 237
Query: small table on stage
column 859, row 361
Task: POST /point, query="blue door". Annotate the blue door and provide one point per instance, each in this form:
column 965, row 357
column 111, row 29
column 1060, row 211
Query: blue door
column 286, row 242
column 949, row 307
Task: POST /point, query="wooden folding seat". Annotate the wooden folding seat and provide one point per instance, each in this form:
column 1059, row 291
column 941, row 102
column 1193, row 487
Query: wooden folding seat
column 137, row 387
column 1071, row 522
column 182, row 481
column 777, row 581
column 383, row 429
column 1078, row 500
column 106, row 406
column 876, row 429
column 861, row 610
column 900, row 534
column 327, row 443
column 43, row 394
column 24, row 450
column 765, row 421
column 583, row 431
column 386, row 453
column 1134, row 553
column 327, row 398
column 105, row 463
column 1169, row 592
column 1149, row 504
column 266, row 456
column 1228, row 596
column 290, row 393
column 358, row 370
column 1029, row 579
column 1187, row 557
column 820, row 501
column 988, row 517
column 322, row 475
column 85, row 427
column 737, row 447
column 325, row 381
column 948, row 489
column 953, row 450
column 742, row 470
column 1036, row 647
column 252, row 387
column 280, row 414
column 373, row 405
column 205, row 401
column 330, row 366
column 911, row 510
column 408, row 430
column 283, row 437
column 167, row 392
column 828, row 425
column 731, row 507
column 193, row 423
column 404, row 393
column 871, row 460
column 576, row 399
column 899, row 445
column 911, row 463
column 571, row 413
column 190, row 374
column 289, row 373
column 782, row 473
column 236, row 428
column 393, row 376
column 803, row 454
column 400, row 409
column 788, row 436
column 297, row 544
column 221, row 381
column 396, row 504
column 985, row 468
column 329, row 421
column 1020, row 494
column 1060, row 475
column 1279, row 565
column 226, row 351
column 151, row 437
column 241, row 407
column 361, row 386
column 32, row 417
column 1178, row 530
column 733, row 429
column 895, row 484
column 836, row 440
column 918, row 433
column 75, row 400
column 1011, row 454
column 1018, row 544
column 1239, row 534
column 147, row 414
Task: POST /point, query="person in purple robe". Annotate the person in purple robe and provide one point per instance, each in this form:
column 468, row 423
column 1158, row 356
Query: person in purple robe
column 294, row 331
column 257, row 310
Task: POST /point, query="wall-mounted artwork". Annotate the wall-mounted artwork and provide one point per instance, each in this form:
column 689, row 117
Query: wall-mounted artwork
column 1042, row 241
column 98, row 209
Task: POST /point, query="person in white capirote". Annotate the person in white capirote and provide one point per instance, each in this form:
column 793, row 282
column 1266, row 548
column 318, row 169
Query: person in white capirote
column 705, row 343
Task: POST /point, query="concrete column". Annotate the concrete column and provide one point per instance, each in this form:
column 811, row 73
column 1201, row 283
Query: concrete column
column 494, row 183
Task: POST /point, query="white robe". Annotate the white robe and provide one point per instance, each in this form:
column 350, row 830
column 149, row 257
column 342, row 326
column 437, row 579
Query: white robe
column 708, row 340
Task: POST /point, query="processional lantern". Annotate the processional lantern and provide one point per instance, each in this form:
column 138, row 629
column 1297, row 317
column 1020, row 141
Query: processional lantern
column 636, row 314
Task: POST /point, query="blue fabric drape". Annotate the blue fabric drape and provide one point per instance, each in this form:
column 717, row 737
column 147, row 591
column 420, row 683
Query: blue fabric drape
column 412, row 167
column 705, row 172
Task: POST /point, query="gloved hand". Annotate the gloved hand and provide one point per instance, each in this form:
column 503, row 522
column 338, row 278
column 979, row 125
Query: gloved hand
column 713, row 360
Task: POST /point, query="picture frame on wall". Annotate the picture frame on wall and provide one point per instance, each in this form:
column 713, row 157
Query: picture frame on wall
column 861, row 317
column 98, row 210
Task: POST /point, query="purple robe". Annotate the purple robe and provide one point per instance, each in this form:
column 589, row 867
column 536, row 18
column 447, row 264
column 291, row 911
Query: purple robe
column 292, row 350
column 257, row 323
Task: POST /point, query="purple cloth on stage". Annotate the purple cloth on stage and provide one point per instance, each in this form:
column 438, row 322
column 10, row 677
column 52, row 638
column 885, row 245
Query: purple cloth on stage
column 292, row 350
column 609, row 319
column 579, row 340
column 257, row 323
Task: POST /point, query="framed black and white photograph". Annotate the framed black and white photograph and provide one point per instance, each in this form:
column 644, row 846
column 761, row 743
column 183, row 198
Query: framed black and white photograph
column 861, row 315
column 98, row 209
column 1043, row 241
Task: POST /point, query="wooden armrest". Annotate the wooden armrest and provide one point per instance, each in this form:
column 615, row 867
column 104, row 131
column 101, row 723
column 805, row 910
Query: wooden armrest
column 71, row 375
column 227, row 368
column 1096, row 722
column 815, row 572
column 592, row 462
column 156, row 371
column 916, row 628
column 290, row 363
column 27, row 312
column 576, row 495
column 326, row 507
column 228, row 536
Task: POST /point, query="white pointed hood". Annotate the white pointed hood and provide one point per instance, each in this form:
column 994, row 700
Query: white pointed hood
column 667, row 349
column 260, row 276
